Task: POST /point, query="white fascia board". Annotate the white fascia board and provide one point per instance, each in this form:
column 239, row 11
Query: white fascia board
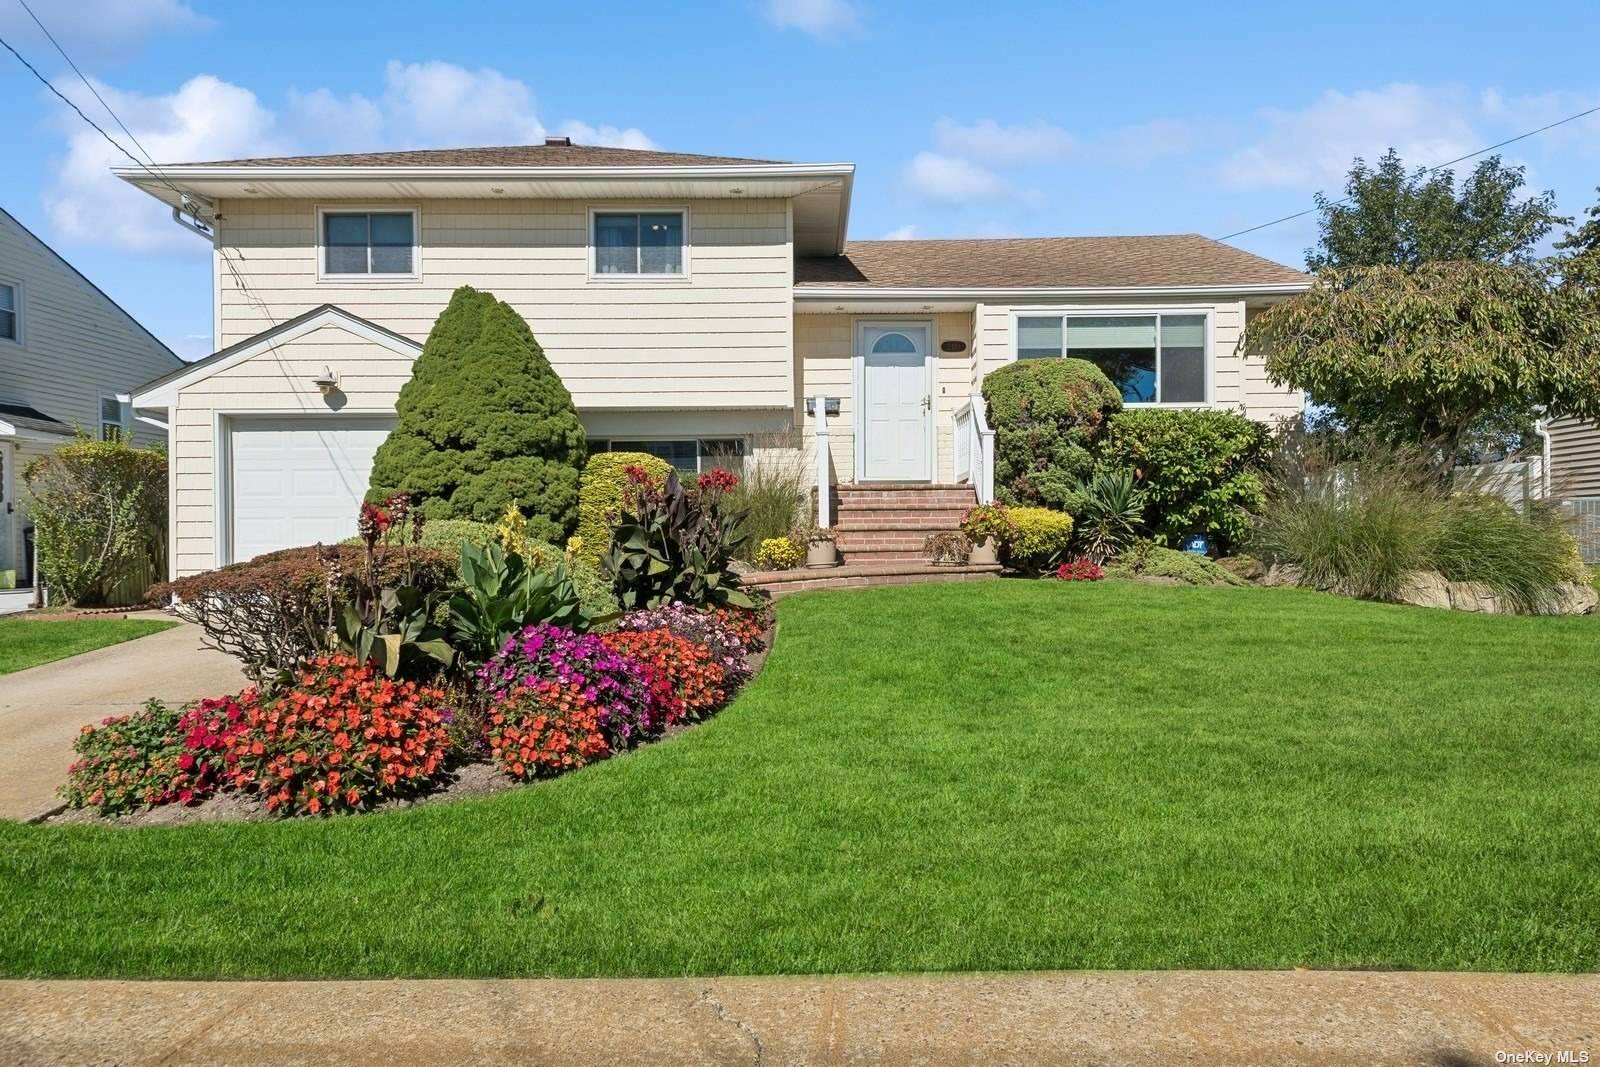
column 845, row 292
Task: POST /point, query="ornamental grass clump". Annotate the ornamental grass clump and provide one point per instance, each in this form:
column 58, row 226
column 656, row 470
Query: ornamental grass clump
column 342, row 738
column 634, row 699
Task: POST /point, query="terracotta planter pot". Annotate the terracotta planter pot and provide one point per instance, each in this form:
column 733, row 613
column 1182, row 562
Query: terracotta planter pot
column 822, row 554
column 985, row 554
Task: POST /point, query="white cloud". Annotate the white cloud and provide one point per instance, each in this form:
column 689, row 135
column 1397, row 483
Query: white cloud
column 907, row 232
column 1312, row 148
column 205, row 119
column 987, row 141
column 100, row 29
column 948, row 180
column 422, row 105
column 822, row 19
column 1527, row 112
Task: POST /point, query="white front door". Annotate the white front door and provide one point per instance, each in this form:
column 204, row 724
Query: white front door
column 896, row 403
column 298, row 480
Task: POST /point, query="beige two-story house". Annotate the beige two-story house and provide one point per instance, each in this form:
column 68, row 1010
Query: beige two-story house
column 69, row 357
column 693, row 305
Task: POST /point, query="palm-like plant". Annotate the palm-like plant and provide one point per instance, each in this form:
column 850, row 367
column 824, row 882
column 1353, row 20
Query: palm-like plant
column 1110, row 515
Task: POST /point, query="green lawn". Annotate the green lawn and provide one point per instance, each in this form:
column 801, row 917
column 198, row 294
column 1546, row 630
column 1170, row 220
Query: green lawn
column 30, row 642
column 1002, row 775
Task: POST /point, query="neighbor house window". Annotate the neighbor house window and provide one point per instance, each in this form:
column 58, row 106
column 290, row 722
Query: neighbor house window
column 1151, row 359
column 369, row 242
column 111, row 425
column 8, row 313
column 687, row 455
column 638, row 242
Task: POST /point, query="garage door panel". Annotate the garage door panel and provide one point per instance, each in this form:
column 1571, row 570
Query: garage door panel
column 299, row 481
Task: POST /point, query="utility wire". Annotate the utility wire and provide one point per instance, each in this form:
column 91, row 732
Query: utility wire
column 1430, row 170
column 90, row 86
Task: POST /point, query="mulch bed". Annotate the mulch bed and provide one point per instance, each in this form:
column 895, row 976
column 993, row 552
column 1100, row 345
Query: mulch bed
column 472, row 778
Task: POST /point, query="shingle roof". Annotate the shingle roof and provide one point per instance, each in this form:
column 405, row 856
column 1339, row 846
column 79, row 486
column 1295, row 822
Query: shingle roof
column 534, row 155
column 1042, row 263
column 32, row 419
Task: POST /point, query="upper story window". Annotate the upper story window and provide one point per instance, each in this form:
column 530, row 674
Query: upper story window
column 374, row 243
column 112, row 427
column 638, row 243
column 1153, row 359
column 10, row 312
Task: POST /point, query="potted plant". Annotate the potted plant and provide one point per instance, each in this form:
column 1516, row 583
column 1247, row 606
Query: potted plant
column 947, row 548
column 987, row 527
column 821, row 548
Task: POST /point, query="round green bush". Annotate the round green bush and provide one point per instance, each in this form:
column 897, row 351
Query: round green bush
column 484, row 422
column 1038, row 537
column 600, row 496
column 1047, row 415
column 1148, row 560
column 1199, row 470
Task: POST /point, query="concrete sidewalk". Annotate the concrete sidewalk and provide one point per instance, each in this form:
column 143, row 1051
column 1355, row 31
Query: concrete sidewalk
column 1147, row 1018
column 43, row 707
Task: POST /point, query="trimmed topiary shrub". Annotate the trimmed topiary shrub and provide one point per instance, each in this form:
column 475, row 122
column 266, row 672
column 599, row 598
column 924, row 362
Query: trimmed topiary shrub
column 1040, row 536
column 1199, row 471
column 1047, row 415
column 601, row 494
column 484, row 422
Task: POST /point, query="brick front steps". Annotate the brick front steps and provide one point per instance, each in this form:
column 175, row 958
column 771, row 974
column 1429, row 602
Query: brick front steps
column 856, row 575
column 887, row 522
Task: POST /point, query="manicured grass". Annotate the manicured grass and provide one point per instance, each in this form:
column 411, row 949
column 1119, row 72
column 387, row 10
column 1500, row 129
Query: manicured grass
column 1002, row 775
column 30, row 642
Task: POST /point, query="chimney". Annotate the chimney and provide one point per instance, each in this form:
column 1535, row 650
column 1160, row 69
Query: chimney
column 558, row 142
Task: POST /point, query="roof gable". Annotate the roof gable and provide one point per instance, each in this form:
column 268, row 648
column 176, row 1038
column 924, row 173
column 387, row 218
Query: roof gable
column 162, row 392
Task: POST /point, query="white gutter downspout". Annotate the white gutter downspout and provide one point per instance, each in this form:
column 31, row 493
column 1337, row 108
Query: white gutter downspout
column 1541, row 427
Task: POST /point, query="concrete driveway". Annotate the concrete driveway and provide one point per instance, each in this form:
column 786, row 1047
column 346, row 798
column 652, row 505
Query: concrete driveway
column 42, row 707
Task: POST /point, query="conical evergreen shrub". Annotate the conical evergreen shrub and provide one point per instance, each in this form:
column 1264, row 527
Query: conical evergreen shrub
column 484, row 421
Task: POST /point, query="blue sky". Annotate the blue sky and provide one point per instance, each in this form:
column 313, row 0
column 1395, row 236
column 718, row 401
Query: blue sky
column 965, row 119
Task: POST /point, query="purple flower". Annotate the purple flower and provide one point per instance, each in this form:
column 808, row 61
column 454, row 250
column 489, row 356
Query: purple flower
column 700, row 627
column 618, row 685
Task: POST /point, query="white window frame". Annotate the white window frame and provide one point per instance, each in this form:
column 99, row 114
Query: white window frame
column 324, row 210
column 1125, row 312
column 17, row 295
column 700, row 451
column 101, row 422
column 638, row 209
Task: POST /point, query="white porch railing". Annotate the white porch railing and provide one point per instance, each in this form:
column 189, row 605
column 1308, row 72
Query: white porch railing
column 819, row 415
column 974, row 448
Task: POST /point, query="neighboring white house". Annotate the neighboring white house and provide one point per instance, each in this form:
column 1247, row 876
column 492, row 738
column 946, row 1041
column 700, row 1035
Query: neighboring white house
column 1575, row 478
column 692, row 304
column 69, row 356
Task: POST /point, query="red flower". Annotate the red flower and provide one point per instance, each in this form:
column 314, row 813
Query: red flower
column 716, row 480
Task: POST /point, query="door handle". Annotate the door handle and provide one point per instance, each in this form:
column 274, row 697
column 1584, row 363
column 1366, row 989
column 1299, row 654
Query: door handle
column 927, row 403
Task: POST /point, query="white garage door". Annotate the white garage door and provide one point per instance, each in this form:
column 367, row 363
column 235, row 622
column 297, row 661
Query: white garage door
column 297, row 481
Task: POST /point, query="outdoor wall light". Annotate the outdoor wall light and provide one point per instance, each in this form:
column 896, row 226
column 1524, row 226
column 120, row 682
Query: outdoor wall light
column 327, row 381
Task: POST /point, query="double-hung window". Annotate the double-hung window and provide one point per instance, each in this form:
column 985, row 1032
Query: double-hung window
column 373, row 243
column 638, row 243
column 112, row 427
column 9, row 313
column 1152, row 359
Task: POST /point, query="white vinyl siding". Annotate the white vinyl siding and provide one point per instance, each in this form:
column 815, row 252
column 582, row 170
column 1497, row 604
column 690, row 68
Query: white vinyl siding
column 74, row 345
column 719, row 339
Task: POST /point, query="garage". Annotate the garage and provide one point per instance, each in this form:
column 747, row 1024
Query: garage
column 297, row 480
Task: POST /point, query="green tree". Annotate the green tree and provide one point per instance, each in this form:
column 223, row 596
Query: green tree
column 484, row 422
column 1432, row 355
column 1578, row 252
column 1391, row 218
column 1047, row 416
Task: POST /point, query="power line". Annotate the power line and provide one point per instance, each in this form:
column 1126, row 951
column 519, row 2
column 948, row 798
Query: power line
column 46, row 83
column 1430, row 170
column 90, row 86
